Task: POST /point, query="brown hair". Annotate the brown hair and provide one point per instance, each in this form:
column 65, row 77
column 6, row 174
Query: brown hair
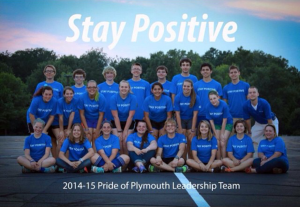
column 79, row 72
column 162, row 67
column 209, row 133
column 193, row 94
column 274, row 128
column 49, row 66
column 82, row 134
column 240, row 122
column 42, row 89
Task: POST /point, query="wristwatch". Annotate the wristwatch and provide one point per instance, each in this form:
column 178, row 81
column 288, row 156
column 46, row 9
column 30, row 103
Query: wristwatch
column 177, row 157
column 81, row 160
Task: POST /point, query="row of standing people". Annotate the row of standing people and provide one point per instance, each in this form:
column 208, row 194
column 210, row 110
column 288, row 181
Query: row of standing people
column 77, row 155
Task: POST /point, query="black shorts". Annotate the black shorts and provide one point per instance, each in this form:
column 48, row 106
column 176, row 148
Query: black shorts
column 123, row 123
column 157, row 125
column 168, row 160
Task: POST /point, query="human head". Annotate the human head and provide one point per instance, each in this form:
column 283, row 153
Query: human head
column 49, row 71
column 124, row 87
column 38, row 126
column 170, row 125
column 206, row 70
column 109, row 70
column 240, row 122
column 79, row 76
column 188, row 87
column 185, row 59
column 157, row 89
column 106, row 127
column 47, row 93
column 141, row 127
column 39, row 120
column 213, row 97
column 68, row 93
column 253, row 93
column 185, row 65
column 234, row 72
column 270, row 131
column 79, row 127
column 205, row 124
column 161, row 72
column 136, row 70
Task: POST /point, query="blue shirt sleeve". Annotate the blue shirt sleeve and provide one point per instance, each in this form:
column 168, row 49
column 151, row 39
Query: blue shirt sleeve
column 65, row 146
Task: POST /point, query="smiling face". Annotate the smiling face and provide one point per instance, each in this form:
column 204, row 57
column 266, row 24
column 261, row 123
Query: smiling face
column 141, row 128
column 92, row 88
column 124, row 88
column 136, row 71
column 187, row 88
column 253, row 94
column 109, row 76
column 240, row 128
column 157, row 90
column 106, row 129
column 47, row 95
column 214, row 100
column 49, row 73
column 203, row 128
column 38, row 128
column 68, row 95
column 270, row 133
column 206, row 72
column 170, row 127
column 76, row 132
column 234, row 74
column 161, row 74
column 79, row 79
column 185, row 67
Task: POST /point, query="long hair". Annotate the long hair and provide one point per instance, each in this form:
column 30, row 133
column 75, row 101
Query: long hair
column 193, row 94
column 209, row 134
column 42, row 89
column 145, row 135
column 82, row 134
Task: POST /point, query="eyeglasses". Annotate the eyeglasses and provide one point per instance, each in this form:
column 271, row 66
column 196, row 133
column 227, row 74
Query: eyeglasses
column 79, row 77
column 49, row 71
column 91, row 87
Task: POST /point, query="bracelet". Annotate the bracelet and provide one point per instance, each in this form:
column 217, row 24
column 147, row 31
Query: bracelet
column 150, row 131
column 81, row 160
column 120, row 131
column 192, row 130
column 31, row 161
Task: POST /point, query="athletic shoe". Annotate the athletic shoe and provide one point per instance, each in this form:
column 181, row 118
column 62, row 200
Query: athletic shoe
column 62, row 170
column 277, row 170
column 135, row 169
column 217, row 170
column 96, row 169
column 142, row 169
column 222, row 168
column 182, row 169
column 84, row 170
column 50, row 169
column 117, row 170
column 228, row 170
column 25, row 170
column 152, row 169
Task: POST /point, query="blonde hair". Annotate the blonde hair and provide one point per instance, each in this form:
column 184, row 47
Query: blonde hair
column 50, row 66
column 125, row 81
column 109, row 69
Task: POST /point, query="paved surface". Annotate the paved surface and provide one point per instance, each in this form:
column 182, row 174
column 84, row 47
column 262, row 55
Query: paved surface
column 233, row 189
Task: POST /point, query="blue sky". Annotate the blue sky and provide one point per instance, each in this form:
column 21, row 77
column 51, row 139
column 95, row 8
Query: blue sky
column 272, row 26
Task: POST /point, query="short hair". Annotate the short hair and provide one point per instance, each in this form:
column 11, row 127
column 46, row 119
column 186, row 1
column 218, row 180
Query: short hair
column 162, row 67
column 136, row 63
column 39, row 120
column 49, row 66
column 213, row 92
column 185, row 59
column 42, row 89
column 79, row 72
column 170, row 120
column 157, row 84
column 274, row 128
column 209, row 133
column 253, row 87
column 109, row 69
column 232, row 67
column 240, row 122
column 205, row 64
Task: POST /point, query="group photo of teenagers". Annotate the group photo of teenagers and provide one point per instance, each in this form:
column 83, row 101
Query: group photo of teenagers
column 185, row 125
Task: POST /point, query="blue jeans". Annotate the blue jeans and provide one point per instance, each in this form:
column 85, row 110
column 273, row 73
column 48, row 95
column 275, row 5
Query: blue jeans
column 144, row 158
column 278, row 162
column 70, row 169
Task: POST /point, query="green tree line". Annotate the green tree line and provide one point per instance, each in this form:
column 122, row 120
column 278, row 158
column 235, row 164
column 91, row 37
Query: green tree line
column 21, row 71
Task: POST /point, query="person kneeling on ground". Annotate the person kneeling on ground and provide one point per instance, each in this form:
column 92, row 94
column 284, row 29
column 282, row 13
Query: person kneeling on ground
column 170, row 149
column 80, row 152
column 204, row 149
column 37, row 148
column 108, row 157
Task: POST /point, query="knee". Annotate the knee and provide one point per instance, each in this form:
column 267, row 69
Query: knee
column 125, row 158
column 52, row 161
column 152, row 160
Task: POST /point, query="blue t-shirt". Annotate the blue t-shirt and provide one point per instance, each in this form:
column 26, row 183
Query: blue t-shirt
column 41, row 109
column 268, row 148
column 217, row 114
column 76, row 150
column 57, row 87
column 77, row 93
column 65, row 109
column 158, row 109
column 136, row 140
column 178, row 80
column 261, row 114
column 240, row 147
column 123, row 106
column 108, row 91
column 170, row 146
column 236, row 95
column 202, row 89
column 141, row 89
column 108, row 145
column 182, row 104
column 167, row 87
column 204, row 148
column 37, row 146
column 91, row 107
